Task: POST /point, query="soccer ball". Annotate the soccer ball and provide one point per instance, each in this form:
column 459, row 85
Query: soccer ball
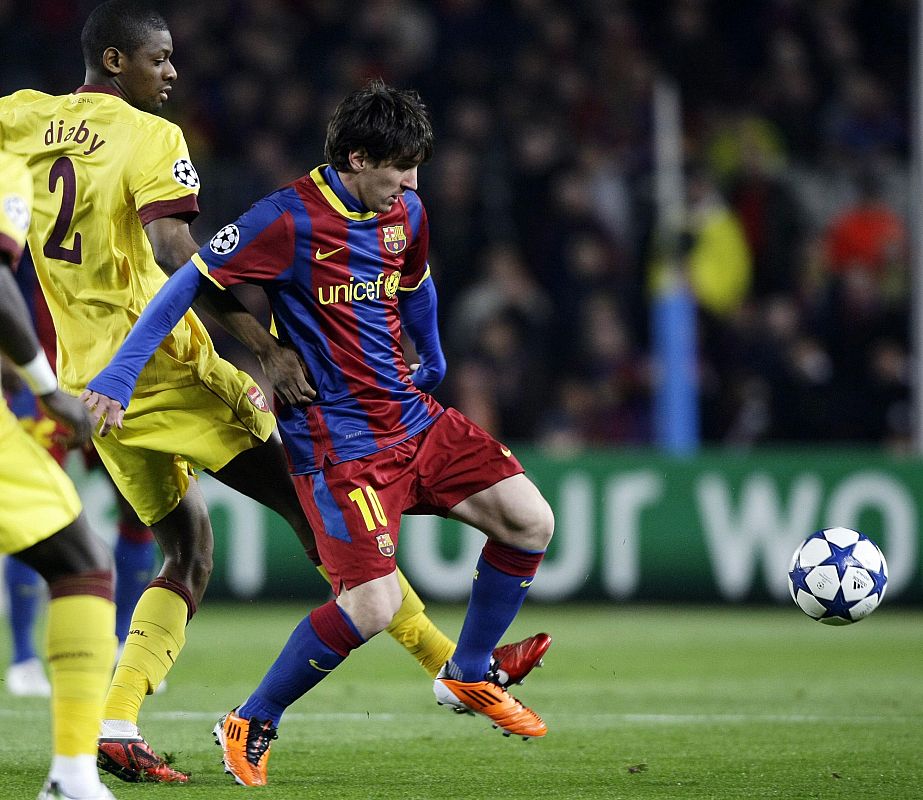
column 838, row 576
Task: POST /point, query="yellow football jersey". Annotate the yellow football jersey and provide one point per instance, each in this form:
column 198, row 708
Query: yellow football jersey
column 101, row 170
column 15, row 205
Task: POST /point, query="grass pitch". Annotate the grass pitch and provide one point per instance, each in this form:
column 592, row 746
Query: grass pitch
column 647, row 703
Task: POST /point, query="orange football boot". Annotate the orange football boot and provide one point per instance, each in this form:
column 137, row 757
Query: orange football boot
column 491, row 700
column 245, row 745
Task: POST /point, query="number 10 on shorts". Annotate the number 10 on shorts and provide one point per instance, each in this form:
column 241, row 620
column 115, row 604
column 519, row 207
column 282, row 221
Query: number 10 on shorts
column 366, row 498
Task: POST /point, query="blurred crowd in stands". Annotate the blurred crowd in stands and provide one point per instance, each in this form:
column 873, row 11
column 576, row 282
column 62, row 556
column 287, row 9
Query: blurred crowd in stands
column 540, row 194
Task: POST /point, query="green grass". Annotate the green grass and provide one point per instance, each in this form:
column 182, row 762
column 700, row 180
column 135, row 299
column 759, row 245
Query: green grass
column 646, row 703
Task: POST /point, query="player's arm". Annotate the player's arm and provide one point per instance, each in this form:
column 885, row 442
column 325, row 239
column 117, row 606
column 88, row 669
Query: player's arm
column 173, row 246
column 419, row 317
column 19, row 342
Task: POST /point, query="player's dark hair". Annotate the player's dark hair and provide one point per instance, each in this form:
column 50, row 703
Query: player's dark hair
column 123, row 24
column 390, row 125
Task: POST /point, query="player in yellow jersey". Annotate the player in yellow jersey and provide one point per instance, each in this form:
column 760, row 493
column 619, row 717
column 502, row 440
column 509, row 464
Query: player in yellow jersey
column 114, row 194
column 42, row 522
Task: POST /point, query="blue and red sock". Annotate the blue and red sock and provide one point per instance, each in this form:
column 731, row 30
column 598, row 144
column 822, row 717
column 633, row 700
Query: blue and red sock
column 134, row 569
column 317, row 646
column 500, row 585
column 24, row 588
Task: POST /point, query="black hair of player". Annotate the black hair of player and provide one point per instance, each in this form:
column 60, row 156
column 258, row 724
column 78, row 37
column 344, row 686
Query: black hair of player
column 122, row 24
column 390, row 125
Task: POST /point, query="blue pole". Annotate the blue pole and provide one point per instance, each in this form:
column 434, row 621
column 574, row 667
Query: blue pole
column 676, row 397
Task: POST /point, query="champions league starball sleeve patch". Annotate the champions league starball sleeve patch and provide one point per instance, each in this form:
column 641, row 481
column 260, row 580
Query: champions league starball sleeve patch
column 17, row 211
column 225, row 240
column 184, row 173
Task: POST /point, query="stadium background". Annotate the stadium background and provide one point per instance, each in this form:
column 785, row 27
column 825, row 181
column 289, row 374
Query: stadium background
column 545, row 246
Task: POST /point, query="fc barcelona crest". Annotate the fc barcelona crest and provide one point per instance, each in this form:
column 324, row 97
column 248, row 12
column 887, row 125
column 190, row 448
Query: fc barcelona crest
column 395, row 238
column 385, row 545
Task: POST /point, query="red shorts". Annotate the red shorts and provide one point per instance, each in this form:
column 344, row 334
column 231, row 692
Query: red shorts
column 355, row 507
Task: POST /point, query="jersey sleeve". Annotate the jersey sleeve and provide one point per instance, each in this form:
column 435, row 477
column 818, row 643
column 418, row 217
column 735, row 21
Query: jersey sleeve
column 259, row 247
column 165, row 184
column 159, row 317
column 15, row 207
column 416, row 264
column 420, row 319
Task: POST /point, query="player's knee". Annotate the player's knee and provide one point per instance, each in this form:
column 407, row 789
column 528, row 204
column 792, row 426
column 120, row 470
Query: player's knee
column 377, row 620
column 532, row 526
column 191, row 568
column 372, row 606
column 369, row 621
column 73, row 550
column 187, row 544
column 378, row 612
column 82, row 550
column 199, row 569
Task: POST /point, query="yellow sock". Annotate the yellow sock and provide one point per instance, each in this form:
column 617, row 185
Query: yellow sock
column 155, row 637
column 415, row 631
column 80, row 646
column 423, row 640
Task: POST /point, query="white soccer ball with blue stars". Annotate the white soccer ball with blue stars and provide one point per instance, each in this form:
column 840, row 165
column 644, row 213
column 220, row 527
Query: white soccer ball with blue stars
column 838, row 576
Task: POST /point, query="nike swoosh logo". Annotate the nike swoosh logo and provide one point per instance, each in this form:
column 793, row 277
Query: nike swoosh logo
column 321, row 256
column 317, row 666
column 170, row 656
column 506, row 451
column 525, row 584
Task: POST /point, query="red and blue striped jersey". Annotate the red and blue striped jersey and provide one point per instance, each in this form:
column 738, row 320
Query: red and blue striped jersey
column 333, row 272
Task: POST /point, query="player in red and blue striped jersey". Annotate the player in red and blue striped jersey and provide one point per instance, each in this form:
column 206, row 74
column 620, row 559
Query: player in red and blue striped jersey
column 334, row 274
column 342, row 256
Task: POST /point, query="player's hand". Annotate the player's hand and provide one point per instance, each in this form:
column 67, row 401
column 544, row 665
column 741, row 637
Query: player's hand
column 288, row 374
column 68, row 410
column 101, row 406
column 425, row 379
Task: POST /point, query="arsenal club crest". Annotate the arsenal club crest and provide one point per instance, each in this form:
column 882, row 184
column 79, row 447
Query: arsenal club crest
column 394, row 238
column 255, row 396
column 385, row 545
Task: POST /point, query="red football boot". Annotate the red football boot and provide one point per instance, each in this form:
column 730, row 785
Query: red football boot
column 132, row 759
column 512, row 662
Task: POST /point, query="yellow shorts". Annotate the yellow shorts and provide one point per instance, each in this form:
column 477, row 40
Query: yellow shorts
column 167, row 433
column 37, row 498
